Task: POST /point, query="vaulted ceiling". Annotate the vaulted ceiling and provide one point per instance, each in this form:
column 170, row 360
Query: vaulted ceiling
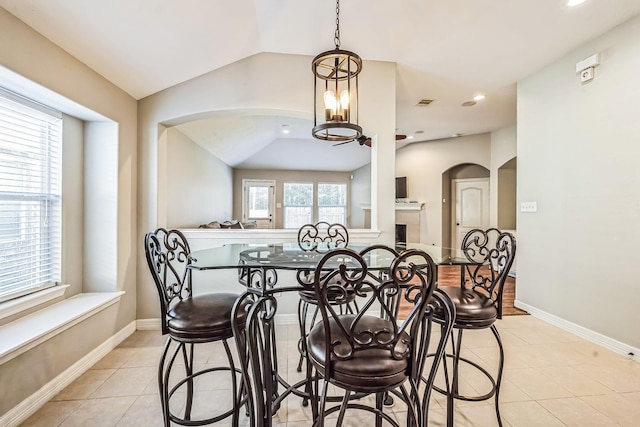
column 448, row 51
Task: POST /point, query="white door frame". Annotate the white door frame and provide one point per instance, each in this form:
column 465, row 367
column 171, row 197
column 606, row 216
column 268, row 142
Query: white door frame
column 268, row 221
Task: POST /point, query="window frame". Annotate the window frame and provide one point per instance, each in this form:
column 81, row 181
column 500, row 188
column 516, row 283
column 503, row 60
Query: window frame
column 285, row 206
column 19, row 115
column 344, row 207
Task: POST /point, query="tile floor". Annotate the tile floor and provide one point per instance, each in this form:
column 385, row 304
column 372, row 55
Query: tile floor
column 551, row 378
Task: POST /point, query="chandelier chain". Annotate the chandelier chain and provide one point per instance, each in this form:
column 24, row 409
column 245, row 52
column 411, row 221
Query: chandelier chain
column 336, row 38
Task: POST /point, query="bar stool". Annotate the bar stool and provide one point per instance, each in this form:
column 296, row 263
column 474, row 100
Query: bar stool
column 319, row 237
column 375, row 354
column 188, row 320
column 478, row 303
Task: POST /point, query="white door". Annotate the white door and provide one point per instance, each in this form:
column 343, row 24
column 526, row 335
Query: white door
column 471, row 207
column 258, row 202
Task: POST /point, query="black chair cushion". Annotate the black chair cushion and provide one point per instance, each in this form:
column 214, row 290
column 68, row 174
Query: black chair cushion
column 203, row 317
column 372, row 369
column 473, row 310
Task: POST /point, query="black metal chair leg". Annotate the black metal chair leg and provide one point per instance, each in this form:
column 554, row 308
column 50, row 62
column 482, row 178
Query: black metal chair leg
column 499, row 376
column 302, row 323
column 161, row 384
column 379, row 406
column 343, row 408
column 237, row 397
column 188, row 367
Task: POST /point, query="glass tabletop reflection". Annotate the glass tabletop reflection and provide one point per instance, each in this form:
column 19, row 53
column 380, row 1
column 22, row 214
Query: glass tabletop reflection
column 292, row 256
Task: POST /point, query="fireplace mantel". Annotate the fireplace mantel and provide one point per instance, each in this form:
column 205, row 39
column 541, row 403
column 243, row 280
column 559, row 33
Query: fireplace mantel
column 409, row 214
column 409, row 206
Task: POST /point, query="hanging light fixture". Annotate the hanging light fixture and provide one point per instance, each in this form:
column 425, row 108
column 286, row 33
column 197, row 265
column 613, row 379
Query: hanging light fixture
column 335, row 92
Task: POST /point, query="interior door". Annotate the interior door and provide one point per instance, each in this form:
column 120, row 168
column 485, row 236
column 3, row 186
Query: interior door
column 258, row 202
column 471, row 207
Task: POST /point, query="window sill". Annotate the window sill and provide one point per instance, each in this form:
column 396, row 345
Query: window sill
column 27, row 332
column 15, row 306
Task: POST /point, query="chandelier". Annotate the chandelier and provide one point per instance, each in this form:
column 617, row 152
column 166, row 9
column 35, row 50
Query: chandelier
column 335, row 92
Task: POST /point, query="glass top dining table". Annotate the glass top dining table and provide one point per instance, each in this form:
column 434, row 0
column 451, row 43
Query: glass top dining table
column 257, row 266
column 293, row 256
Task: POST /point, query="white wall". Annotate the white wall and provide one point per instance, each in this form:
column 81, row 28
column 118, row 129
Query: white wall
column 256, row 82
column 423, row 164
column 578, row 150
column 199, row 185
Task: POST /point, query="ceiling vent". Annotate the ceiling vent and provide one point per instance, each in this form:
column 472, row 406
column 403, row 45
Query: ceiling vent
column 425, row 102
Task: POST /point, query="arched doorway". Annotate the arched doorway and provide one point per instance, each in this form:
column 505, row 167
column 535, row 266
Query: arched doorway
column 465, row 190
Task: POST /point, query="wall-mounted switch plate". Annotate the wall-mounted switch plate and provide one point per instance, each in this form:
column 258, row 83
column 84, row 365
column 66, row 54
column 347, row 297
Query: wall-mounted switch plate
column 528, row 207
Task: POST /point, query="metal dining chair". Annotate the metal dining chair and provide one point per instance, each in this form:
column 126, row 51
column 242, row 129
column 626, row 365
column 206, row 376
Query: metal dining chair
column 365, row 353
column 478, row 304
column 320, row 237
column 188, row 320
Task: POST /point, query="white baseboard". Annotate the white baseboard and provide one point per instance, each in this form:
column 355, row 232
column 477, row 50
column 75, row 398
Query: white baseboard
column 595, row 337
column 148, row 324
column 30, row 405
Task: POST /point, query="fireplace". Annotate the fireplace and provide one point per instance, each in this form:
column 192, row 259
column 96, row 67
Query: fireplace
column 401, row 234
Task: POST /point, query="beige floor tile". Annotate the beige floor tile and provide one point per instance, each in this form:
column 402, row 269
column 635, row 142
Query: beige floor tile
column 99, row 412
column 528, row 414
column 621, row 379
column 625, row 411
column 144, row 357
column 85, row 385
column 115, row 359
column 574, row 381
column 126, row 382
column 575, row 412
column 536, row 385
column 52, row 414
column 144, row 412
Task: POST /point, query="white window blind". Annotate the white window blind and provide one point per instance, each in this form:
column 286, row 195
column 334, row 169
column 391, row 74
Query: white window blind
column 30, row 196
column 298, row 204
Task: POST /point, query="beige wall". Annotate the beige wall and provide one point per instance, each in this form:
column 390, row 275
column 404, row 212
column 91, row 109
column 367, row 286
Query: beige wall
column 360, row 195
column 31, row 56
column 199, row 185
column 255, row 83
column 280, row 177
column 507, row 195
column 73, row 208
column 423, row 163
column 578, row 156
column 503, row 149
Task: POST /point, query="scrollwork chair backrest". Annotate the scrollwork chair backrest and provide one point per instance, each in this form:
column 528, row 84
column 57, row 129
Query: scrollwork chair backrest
column 322, row 236
column 410, row 281
column 492, row 252
column 167, row 253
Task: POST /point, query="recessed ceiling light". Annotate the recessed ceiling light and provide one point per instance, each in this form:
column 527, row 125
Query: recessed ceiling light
column 456, row 135
column 572, row 3
column 410, row 137
column 469, row 103
column 285, row 129
column 478, row 97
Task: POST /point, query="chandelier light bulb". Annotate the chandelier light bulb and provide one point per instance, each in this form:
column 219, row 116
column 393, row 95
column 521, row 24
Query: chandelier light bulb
column 344, row 99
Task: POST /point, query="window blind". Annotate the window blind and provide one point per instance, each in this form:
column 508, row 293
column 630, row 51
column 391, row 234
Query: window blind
column 30, row 195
